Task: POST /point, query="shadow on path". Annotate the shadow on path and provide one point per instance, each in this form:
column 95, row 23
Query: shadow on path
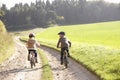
column 19, row 70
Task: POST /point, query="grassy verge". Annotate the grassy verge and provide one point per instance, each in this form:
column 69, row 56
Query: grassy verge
column 6, row 44
column 47, row 72
column 6, row 47
column 2, row 27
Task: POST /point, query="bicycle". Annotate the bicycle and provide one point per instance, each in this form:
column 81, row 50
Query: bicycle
column 32, row 59
column 65, row 59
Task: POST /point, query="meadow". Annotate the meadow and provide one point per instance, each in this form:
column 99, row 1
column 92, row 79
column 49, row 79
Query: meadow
column 6, row 43
column 96, row 46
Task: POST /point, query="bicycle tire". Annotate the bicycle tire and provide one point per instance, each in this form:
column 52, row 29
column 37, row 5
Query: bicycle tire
column 65, row 60
column 31, row 65
column 66, row 63
column 32, row 61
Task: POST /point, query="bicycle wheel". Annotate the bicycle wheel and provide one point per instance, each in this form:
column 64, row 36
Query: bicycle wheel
column 66, row 59
column 32, row 61
column 31, row 64
column 65, row 62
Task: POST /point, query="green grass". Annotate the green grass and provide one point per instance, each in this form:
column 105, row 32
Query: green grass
column 6, row 44
column 107, row 34
column 97, row 46
column 2, row 27
column 46, row 73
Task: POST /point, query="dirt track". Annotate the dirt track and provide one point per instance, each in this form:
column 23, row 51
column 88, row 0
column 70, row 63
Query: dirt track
column 74, row 72
column 18, row 68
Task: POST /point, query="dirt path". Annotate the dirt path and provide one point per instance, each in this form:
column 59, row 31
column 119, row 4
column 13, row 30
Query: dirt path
column 74, row 72
column 18, row 68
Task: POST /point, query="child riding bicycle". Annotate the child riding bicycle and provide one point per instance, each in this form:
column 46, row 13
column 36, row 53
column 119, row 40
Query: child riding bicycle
column 32, row 45
column 64, row 44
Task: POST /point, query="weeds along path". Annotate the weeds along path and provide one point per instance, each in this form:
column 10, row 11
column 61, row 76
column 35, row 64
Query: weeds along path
column 18, row 68
column 74, row 72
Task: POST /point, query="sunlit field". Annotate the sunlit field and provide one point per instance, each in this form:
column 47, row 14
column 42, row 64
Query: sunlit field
column 95, row 45
column 100, row 33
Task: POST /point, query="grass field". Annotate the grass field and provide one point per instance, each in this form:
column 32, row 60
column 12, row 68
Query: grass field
column 6, row 43
column 97, row 46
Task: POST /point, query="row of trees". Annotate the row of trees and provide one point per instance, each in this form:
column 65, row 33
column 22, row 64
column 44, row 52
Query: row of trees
column 38, row 14
column 43, row 13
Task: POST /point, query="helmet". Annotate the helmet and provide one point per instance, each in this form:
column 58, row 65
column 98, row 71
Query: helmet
column 31, row 35
column 62, row 33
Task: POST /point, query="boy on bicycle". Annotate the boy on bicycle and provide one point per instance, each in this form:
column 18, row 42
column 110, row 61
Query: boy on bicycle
column 32, row 45
column 64, row 44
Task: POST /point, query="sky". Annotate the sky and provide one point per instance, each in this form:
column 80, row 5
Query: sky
column 10, row 3
column 110, row 1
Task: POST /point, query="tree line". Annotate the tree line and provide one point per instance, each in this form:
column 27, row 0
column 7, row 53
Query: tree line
column 62, row 12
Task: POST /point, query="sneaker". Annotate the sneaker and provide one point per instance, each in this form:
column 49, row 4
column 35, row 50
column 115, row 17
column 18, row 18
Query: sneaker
column 61, row 63
column 28, row 57
column 68, row 55
column 36, row 61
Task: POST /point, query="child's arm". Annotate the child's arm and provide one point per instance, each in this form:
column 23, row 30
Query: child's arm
column 38, row 44
column 69, row 43
column 58, row 44
column 27, row 44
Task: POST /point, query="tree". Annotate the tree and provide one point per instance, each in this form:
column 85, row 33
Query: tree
column 60, row 12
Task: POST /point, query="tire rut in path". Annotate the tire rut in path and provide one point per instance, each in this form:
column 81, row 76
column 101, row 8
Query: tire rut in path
column 74, row 72
column 18, row 68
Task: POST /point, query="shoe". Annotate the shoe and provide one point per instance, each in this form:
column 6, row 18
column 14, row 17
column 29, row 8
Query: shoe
column 36, row 60
column 61, row 63
column 28, row 57
column 68, row 55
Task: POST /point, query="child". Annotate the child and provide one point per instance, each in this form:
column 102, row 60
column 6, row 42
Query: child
column 32, row 45
column 64, row 44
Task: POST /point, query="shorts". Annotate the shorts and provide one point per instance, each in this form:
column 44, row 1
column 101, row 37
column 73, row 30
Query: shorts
column 33, row 51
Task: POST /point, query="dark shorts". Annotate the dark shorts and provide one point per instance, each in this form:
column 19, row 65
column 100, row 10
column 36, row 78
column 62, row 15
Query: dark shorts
column 33, row 51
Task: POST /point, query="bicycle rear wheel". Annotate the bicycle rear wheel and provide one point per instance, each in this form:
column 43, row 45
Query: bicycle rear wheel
column 32, row 59
column 31, row 64
column 65, row 62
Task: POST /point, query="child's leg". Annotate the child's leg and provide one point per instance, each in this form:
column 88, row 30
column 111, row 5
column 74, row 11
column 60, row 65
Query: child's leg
column 62, row 52
column 29, row 55
column 36, row 55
